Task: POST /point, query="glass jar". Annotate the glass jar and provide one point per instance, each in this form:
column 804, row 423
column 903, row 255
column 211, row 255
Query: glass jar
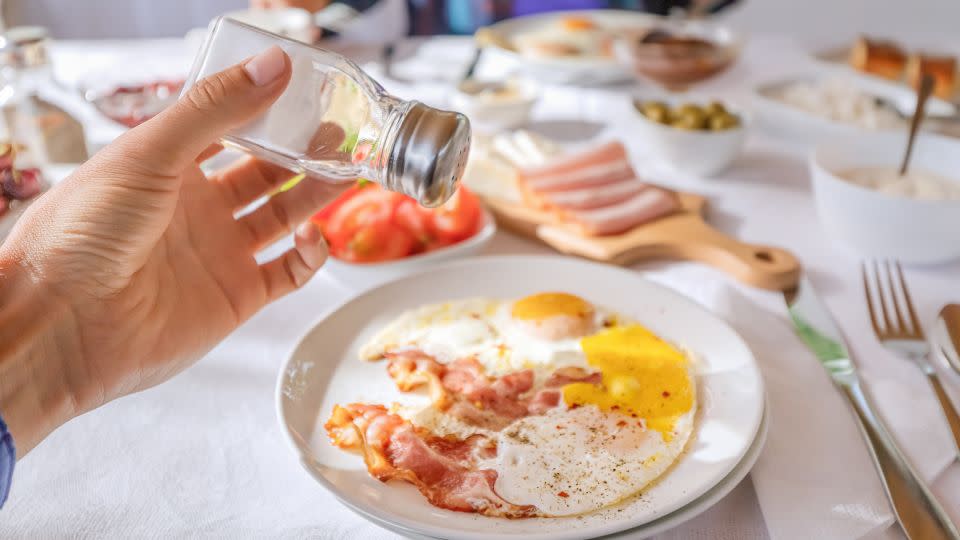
column 336, row 123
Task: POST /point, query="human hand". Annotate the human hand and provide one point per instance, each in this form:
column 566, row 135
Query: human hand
column 138, row 260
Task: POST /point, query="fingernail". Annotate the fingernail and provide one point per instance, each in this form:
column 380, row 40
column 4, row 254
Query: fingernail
column 265, row 67
column 309, row 231
column 312, row 246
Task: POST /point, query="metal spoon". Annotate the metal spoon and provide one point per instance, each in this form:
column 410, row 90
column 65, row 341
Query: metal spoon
column 923, row 93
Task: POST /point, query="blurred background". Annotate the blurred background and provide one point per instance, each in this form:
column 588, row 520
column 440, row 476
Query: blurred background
column 817, row 20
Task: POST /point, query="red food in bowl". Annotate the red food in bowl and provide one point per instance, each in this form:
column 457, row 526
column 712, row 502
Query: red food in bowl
column 368, row 224
column 134, row 105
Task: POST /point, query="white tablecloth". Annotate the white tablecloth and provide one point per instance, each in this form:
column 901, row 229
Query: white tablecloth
column 157, row 463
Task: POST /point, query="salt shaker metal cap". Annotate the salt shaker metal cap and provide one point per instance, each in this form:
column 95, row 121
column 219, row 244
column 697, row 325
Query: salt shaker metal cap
column 429, row 155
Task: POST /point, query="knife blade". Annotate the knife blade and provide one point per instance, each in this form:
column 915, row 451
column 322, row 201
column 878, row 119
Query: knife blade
column 918, row 512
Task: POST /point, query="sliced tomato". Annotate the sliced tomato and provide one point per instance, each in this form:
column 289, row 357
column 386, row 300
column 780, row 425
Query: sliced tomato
column 458, row 218
column 371, row 205
column 375, row 242
column 418, row 221
column 323, row 216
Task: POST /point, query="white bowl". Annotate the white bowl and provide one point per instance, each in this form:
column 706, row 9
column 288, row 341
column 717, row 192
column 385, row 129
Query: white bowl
column 879, row 225
column 699, row 153
column 496, row 114
column 803, row 127
column 363, row 276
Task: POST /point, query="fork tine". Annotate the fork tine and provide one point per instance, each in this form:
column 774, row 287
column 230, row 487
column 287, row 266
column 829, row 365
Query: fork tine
column 869, row 297
column 903, row 329
column 914, row 321
column 888, row 325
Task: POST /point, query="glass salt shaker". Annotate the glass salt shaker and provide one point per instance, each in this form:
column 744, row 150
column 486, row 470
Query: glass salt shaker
column 335, row 122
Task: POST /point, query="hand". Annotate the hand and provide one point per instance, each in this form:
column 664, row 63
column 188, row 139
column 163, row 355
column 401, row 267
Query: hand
column 139, row 261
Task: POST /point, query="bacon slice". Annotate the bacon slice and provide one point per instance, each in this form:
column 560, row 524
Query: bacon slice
column 585, row 199
column 596, row 192
column 643, row 207
column 443, row 469
column 463, row 390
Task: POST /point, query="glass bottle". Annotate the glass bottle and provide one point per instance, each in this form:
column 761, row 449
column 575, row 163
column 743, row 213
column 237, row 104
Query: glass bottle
column 335, row 122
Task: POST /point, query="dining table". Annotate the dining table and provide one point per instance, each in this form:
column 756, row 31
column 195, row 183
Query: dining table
column 203, row 455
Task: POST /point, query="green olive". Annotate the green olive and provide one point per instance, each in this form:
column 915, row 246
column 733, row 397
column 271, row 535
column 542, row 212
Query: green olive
column 715, row 108
column 656, row 111
column 722, row 122
column 693, row 118
column 690, row 108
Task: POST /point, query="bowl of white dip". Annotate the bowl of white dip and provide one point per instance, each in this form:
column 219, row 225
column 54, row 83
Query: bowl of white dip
column 864, row 202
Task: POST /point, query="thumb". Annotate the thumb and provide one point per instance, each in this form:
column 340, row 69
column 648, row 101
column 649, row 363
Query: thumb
column 214, row 105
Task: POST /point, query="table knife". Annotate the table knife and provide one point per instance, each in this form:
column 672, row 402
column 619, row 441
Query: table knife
column 919, row 513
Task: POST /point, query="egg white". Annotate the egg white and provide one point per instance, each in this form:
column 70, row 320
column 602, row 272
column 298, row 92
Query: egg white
column 590, row 463
column 478, row 327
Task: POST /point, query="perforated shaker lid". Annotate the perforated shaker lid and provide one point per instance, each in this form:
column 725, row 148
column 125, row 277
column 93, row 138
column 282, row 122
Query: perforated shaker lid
column 429, row 154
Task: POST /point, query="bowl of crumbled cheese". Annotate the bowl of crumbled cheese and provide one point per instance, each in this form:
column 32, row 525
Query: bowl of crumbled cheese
column 865, row 202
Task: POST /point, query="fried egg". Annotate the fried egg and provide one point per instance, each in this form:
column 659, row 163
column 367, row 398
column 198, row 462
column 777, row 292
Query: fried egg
column 564, row 36
column 539, row 332
column 604, row 441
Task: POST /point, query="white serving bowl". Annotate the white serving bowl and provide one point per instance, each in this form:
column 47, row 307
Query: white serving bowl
column 363, row 276
column 494, row 115
column 802, row 127
column 699, row 153
column 879, row 225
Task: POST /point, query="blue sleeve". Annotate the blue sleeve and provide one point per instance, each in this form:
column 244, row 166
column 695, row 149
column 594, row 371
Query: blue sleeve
column 8, row 456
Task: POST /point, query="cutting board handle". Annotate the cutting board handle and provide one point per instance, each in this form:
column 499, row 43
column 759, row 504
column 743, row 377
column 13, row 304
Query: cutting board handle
column 762, row 266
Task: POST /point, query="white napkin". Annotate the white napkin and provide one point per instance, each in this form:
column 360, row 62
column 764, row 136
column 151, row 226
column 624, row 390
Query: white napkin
column 815, row 478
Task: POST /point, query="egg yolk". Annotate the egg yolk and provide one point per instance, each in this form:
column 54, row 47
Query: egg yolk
column 545, row 305
column 642, row 375
column 578, row 23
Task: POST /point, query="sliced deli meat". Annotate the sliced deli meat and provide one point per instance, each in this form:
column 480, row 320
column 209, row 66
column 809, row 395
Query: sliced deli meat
column 596, row 192
column 646, row 206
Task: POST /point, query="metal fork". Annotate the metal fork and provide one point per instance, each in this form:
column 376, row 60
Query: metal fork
column 889, row 308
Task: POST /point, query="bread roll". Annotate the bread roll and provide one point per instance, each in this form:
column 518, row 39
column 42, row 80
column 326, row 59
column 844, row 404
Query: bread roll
column 883, row 58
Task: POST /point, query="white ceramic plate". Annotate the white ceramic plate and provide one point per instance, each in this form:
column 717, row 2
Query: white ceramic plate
column 666, row 522
column 584, row 70
column 325, row 370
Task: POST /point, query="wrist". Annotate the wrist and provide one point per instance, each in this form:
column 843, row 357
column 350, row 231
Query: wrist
column 35, row 392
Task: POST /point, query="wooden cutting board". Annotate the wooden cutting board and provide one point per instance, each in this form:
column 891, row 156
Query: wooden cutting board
column 680, row 236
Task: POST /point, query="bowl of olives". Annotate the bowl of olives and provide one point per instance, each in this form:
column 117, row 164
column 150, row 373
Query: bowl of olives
column 698, row 139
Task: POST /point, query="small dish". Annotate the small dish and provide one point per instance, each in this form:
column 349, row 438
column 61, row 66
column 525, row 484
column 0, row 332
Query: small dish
column 132, row 105
column 805, row 127
column 362, row 276
column 699, row 153
column 678, row 54
column 496, row 104
column 880, row 225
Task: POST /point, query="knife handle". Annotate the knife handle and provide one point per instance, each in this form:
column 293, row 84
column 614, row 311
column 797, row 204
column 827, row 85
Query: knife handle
column 920, row 515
